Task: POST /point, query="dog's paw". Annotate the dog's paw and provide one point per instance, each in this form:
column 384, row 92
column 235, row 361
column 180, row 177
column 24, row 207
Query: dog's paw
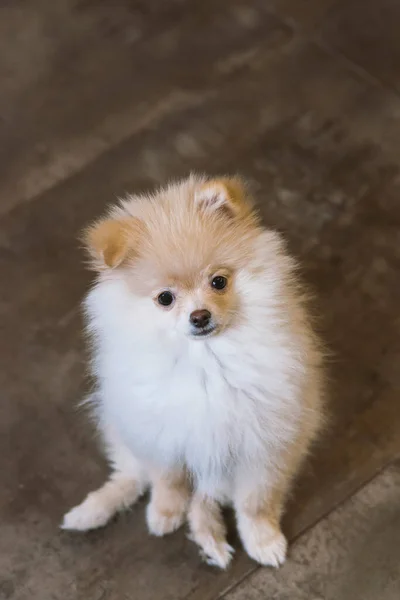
column 161, row 522
column 92, row 513
column 216, row 554
column 268, row 551
column 208, row 531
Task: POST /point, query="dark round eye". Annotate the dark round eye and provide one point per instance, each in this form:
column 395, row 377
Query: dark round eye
column 165, row 298
column 219, row 282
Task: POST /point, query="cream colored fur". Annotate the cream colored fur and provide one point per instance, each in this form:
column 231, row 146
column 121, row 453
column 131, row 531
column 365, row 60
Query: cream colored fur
column 222, row 417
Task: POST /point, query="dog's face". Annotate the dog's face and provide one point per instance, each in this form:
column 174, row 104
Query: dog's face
column 199, row 305
column 182, row 251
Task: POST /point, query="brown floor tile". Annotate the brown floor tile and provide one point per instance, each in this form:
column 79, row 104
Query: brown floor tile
column 367, row 33
column 304, row 14
column 81, row 77
column 353, row 553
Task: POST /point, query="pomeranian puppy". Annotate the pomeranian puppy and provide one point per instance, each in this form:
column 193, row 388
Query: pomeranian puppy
column 208, row 371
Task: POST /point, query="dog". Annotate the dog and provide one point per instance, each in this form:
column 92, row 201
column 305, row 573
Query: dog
column 209, row 373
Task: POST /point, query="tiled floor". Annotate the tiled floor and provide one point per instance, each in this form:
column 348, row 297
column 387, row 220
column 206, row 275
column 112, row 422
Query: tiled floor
column 351, row 554
column 97, row 98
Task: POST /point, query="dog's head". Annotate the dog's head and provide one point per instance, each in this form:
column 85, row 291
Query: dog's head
column 181, row 251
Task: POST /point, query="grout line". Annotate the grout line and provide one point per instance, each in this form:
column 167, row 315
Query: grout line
column 356, row 67
column 237, row 583
column 186, row 101
column 308, row 528
column 314, row 37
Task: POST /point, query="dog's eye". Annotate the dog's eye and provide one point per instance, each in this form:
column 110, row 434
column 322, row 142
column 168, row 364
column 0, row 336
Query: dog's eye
column 165, row 298
column 219, row 282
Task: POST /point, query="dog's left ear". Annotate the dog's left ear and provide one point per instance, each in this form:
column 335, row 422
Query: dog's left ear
column 227, row 194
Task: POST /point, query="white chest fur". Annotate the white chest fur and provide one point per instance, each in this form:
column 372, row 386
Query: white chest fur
column 212, row 405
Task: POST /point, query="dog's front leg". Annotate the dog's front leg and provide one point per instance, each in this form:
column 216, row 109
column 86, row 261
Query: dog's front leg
column 259, row 503
column 170, row 496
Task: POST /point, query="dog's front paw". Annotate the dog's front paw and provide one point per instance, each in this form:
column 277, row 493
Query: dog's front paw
column 208, row 531
column 216, row 553
column 264, row 543
column 164, row 520
column 268, row 552
column 92, row 513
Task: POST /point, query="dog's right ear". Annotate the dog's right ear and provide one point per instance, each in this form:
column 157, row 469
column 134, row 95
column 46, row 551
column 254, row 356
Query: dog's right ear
column 110, row 242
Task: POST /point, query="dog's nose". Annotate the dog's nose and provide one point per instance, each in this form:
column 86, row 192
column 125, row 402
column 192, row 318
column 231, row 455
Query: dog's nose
column 200, row 318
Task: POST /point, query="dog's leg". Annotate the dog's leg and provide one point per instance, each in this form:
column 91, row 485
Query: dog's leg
column 207, row 530
column 126, row 484
column 259, row 506
column 170, row 497
column 117, row 494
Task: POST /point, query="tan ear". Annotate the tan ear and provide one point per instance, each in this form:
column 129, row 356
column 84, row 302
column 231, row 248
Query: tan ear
column 225, row 193
column 110, row 241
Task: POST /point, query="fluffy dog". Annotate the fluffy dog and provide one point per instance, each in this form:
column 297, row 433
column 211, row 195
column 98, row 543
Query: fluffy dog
column 209, row 378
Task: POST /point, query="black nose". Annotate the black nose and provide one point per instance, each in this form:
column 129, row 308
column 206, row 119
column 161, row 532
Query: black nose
column 200, row 318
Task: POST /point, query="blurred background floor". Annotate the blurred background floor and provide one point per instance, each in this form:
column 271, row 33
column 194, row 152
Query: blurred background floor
column 100, row 98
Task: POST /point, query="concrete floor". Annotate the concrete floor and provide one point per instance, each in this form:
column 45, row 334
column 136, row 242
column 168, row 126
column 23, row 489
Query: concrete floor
column 99, row 98
column 352, row 554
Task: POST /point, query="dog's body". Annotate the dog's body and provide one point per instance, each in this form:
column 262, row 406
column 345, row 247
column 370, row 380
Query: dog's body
column 209, row 374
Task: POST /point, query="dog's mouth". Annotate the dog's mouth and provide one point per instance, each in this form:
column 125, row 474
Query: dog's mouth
column 204, row 331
